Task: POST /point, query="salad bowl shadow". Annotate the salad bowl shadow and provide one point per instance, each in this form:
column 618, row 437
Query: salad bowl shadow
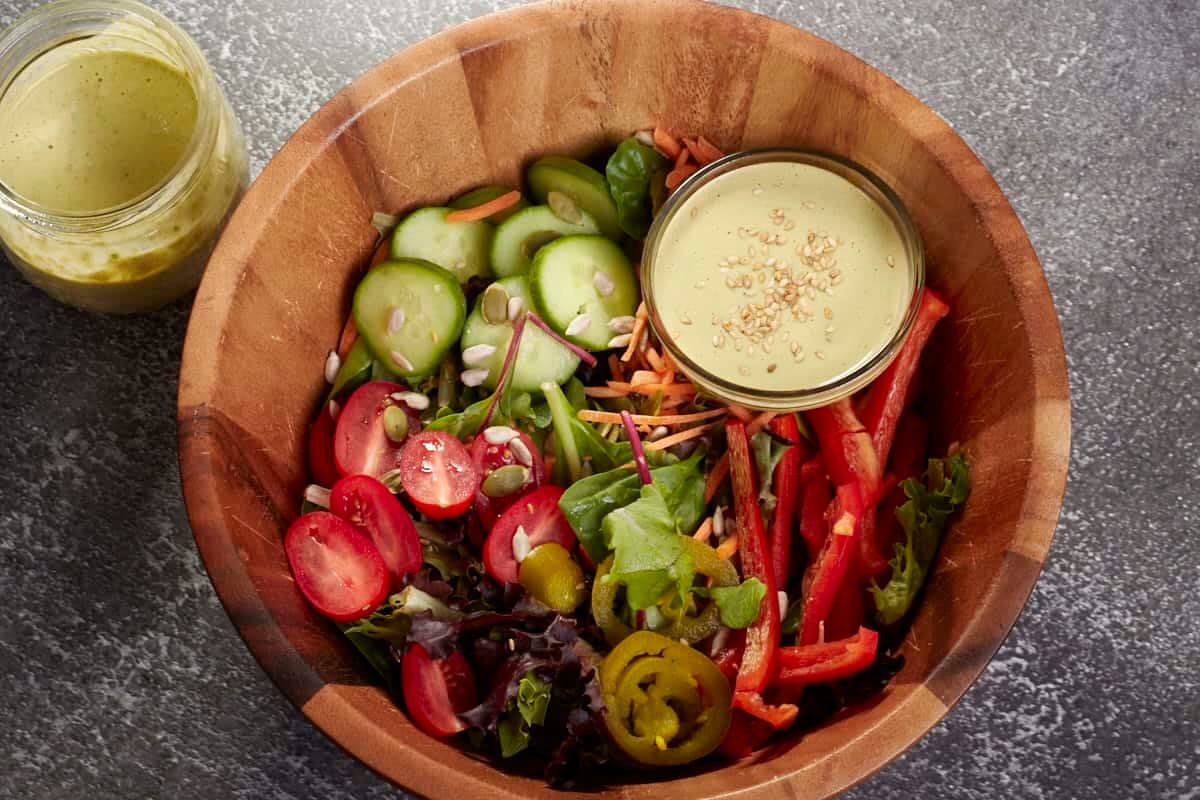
column 471, row 106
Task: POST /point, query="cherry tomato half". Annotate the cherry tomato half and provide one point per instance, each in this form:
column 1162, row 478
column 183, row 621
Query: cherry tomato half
column 321, row 465
column 374, row 511
column 337, row 569
column 360, row 445
column 489, row 457
column 437, row 691
column 438, row 475
column 539, row 515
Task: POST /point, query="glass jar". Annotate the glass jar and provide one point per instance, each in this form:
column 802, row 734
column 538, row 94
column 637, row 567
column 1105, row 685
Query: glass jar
column 748, row 260
column 64, row 222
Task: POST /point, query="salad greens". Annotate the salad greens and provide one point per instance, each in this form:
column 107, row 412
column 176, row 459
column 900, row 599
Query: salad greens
column 738, row 604
column 630, row 171
column 924, row 519
column 587, row 502
column 527, row 709
column 650, row 556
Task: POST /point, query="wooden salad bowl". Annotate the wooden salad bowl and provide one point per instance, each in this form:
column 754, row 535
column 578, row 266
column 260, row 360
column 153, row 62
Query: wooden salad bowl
column 473, row 105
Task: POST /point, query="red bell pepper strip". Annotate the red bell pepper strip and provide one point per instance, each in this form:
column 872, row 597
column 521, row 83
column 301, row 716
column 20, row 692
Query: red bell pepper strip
column 909, row 454
column 787, row 490
column 745, row 735
column 892, row 391
column 910, row 451
column 834, row 561
column 817, row 495
column 729, row 658
column 821, row 663
column 849, row 607
column 847, row 448
column 762, row 637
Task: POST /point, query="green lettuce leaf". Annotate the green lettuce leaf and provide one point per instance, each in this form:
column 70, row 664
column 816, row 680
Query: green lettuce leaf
column 650, row 555
column 629, row 172
column 527, row 709
column 587, row 502
column 738, row 605
column 923, row 517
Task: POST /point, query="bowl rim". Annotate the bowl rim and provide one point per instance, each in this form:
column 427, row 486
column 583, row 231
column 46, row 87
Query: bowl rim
column 329, row 706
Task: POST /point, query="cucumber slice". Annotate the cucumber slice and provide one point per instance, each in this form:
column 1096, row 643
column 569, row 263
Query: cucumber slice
column 461, row 247
column 564, row 284
column 410, row 312
column 539, row 358
column 520, row 237
column 581, row 183
column 485, row 194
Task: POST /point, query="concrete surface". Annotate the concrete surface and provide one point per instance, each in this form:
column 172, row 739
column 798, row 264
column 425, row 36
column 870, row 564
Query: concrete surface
column 121, row 677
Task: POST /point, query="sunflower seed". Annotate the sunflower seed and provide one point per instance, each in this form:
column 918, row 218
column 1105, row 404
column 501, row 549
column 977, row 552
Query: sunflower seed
column 474, row 377
column 520, row 544
column 621, row 324
column 719, row 521
column 400, row 361
column 332, row 365
column 499, row 434
column 604, row 284
column 395, row 321
column 620, row 341
column 477, row 354
column 564, row 208
column 520, row 452
column 317, row 495
column 515, row 306
column 334, row 409
column 657, row 433
column 783, row 603
column 578, row 325
column 414, row 400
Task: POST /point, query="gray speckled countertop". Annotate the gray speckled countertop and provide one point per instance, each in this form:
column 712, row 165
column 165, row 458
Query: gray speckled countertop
column 121, row 677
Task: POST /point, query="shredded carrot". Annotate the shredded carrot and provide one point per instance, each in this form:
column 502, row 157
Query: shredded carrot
column 655, row 360
column 614, row 367
column 679, row 175
column 348, row 338
column 603, row 392
column 728, row 548
column 704, row 531
column 668, row 376
column 643, row 376
column 682, row 436
column 705, row 151
column 682, row 158
column 716, row 477
column 741, row 412
column 667, row 144
column 485, row 210
column 639, row 327
column 649, row 390
column 760, row 422
column 587, row 415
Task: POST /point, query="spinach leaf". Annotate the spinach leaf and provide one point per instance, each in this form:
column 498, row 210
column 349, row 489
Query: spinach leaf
column 924, row 517
column 629, row 173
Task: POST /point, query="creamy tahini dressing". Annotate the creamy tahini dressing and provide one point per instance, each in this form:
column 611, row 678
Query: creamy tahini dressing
column 781, row 276
column 97, row 127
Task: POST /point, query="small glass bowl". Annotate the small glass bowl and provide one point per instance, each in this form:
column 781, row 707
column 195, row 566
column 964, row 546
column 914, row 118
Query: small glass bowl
column 806, row 397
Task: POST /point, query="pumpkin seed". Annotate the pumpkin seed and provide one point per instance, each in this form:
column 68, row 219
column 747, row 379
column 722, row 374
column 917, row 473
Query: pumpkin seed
column 506, row 480
column 495, row 304
column 395, row 423
column 564, row 207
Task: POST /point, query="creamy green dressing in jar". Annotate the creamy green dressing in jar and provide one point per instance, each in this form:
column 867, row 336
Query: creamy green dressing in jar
column 119, row 156
column 782, row 279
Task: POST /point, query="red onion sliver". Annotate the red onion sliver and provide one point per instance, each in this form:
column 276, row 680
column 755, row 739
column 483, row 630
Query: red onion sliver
column 584, row 355
column 639, row 452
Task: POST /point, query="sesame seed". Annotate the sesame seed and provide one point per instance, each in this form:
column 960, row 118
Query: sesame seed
column 684, row 318
column 771, row 367
column 702, row 284
column 828, row 313
column 789, row 225
column 820, row 356
column 757, row 192
column 718, row 341
column 743, row 370
column 829, row 329
column 891, row 262
column 743, row 261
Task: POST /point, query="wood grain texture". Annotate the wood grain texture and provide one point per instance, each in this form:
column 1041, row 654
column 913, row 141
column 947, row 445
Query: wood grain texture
column 471, row 106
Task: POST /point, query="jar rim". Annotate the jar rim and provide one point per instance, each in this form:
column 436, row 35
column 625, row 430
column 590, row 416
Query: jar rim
column 842, row 386
column 61, row 22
